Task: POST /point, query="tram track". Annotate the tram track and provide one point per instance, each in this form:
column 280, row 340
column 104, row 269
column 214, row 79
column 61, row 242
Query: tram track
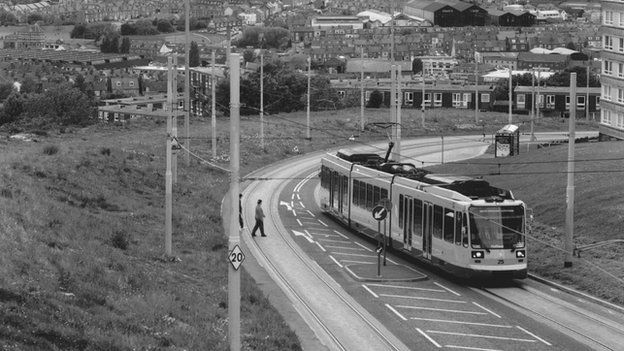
column 323, row 326
column 606, row 334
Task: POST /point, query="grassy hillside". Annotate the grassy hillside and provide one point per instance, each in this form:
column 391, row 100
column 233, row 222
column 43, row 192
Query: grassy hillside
column 81, row 232
column 540, row 179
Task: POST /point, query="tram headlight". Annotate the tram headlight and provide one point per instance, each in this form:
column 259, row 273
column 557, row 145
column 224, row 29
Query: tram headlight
column 520, row 254
column 476, row 254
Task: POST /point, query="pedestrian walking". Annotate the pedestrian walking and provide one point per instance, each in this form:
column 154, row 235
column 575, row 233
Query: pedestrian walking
column 259, row 220
column 240, row 210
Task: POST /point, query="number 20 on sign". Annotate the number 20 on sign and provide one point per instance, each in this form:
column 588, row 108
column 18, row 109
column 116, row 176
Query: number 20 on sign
column 236, row 257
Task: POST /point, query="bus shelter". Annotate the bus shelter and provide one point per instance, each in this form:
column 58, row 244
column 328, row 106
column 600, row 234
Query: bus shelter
column 507, row 141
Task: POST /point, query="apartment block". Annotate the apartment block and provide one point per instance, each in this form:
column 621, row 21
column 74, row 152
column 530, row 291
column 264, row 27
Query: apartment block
column 612, row 77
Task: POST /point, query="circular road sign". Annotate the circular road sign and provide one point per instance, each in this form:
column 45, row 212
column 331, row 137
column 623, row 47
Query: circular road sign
column 379, row 213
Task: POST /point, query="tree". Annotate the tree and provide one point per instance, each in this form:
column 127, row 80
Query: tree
column 62, row 105
column 79, row 31
column 248, row 55
column 128, row 29
column 13, row 108
column 194, row 58
column 34, row 18
column 5, row 90
column 125, row 45
column 375, row 99
column 417, row 66
column 164, row 26
column 562, row 79
column 7, row 18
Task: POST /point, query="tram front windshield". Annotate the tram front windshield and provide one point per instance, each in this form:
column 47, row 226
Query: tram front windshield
column 497, row 227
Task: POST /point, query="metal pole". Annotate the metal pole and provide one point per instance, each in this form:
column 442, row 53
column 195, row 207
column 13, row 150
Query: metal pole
column 422, row 106
column 385, row 242
column 308, row 102
column 510, row 89
column 569, row 245
column 476, row 101
column 187, row 82
column 213, row 99
column 392, row 33
column 397, row 145
column 168, row 176
column 537, row 108
column 532, row 105
column 234, row 229
column 587, row 94
column 393, row 107
column 362, row 87
column 174, row 132
column 262, row 99
column 442, row 150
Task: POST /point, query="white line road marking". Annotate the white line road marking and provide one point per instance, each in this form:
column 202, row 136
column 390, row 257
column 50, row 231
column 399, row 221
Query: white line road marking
column 485, row 309
column 396, row 312
column 302, row 205
column 441, row 310
column 447, row 289
column 421, row 298
column 323, row 234
column 293, row 195
column 428, row 337
column 364, row 247
column 470, row 348
column 296, row 233
column 344, row 247
column 300, row 224
column 325, row 225
column 319, row 245
column 333, row 241
column 360, row 262
column 405, row 287
column 479, row 336
column 352, row 254
column 533, row 335
column 370, row 291
column 284, row 203
column 294, row 213
column 458, row 322
column 298, row 197
column 333, row 259
column 311, row 214
column 342, row 235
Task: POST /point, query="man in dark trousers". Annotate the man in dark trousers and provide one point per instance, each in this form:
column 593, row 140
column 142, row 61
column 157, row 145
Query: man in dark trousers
column 240, row 210
column 259, row 220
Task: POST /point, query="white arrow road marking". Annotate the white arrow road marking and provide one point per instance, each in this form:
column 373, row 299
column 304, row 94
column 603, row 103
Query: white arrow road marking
column 286, row 204
column 304, row 235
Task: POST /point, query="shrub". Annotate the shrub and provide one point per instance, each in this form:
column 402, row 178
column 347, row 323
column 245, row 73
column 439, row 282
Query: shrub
column 50, row 149
column 120, row 239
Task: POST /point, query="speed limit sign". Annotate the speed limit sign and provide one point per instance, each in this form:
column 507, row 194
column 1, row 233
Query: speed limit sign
column 236, row 257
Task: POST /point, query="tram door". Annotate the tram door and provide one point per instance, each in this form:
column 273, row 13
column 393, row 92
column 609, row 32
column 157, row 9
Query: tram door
column 427, row 229
column 408, row 224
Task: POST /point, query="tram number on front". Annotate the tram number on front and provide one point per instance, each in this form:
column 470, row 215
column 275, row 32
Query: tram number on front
column 236, row 257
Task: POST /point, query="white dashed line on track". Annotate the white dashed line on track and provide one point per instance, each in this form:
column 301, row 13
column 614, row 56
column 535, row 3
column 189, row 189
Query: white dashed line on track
column 485, row 309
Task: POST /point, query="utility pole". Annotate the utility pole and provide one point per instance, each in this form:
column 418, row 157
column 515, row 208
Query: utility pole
column 169, row 156
column 393, row 108
column 538, row 98
column 587, row 93
column 569, row 222
column 392, row 32
column 422, row 105
column 187, row 82
column 308, row 102
column 532, row 105
column 362, row 87
column 476, row 101
column 213, row 98
column 262, row 99
column 510, row 92
column 397, row 144
column 174, row 132
column 234, row 237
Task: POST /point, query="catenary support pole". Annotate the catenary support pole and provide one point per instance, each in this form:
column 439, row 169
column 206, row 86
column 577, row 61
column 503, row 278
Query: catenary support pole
column 422, row 105
column 262, row 99
column 476, row 98
column 397, row 144
column 168, row 176
column 587, row 92
column 569, row 245
column 234, row 229
column 213, row 101
column 308, row 101
column 362, row 122
column 174, row 131
column 510, row 93
column 532, row 106
column 187, row 82
column 392, row 118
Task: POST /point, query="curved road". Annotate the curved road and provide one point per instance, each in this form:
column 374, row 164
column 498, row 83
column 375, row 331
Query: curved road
column 305, row 254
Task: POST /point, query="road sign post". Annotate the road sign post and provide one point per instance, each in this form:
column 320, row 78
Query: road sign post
column 379, row 213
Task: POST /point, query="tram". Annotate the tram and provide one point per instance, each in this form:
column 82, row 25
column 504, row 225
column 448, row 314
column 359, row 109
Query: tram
column 463, row 225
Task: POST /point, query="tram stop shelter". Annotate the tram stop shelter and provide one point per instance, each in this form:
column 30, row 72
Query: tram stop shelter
column 507, row 141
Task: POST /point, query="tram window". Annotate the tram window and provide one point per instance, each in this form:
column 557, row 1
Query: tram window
column 401, row 199
column 449, row 225
column 376, row 195
column 369, row 196
column 458, row 228
column 437, row 221
column 362, row 195
column 418, row 217
column 356, row 192
column 464, row 231
column 384, row 193
column 345, row 189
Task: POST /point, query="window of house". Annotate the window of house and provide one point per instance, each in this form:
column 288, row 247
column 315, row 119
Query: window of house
column 457, row 99
column 620, row 95
column 580, row 101
column 409, row 97
column 567, row 100
column 437, row 99
column 606, row 92
column 608, row 17
column 619, row 122
column 621, row 15
column 606, row 117
column 428, row 99
column 608, row 67
column 485, row 97
column 550, row 100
